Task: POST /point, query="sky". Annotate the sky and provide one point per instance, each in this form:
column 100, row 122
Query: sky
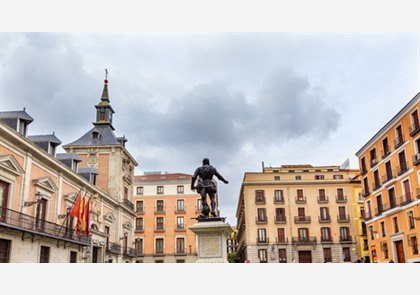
column 241, row 97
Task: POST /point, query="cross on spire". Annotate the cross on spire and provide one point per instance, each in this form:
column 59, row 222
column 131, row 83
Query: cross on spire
column 106, row 76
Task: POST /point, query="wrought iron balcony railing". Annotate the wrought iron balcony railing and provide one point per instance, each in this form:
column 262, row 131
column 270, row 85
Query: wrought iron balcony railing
column 128, row 204
column 280, row 219
column 113, row 248
column 303, row 240
column 302, row 219
column 30, row 224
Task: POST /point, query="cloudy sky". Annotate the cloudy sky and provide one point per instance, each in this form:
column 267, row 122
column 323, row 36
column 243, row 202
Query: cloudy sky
column 239, row 98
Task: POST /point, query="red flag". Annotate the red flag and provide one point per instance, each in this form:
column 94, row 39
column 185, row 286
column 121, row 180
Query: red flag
column 76, row 207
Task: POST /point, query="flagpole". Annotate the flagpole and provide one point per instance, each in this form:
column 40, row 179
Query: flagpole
column 68, row 211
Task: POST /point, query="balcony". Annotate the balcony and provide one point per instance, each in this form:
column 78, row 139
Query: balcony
column 263, row 240
column 260, row 201
column 113, row 248
column 180, row 252
column 180, row 227
column 322, row 199
column 343, row 218
column 302, row 219
column 139, row 229
column 344, row 239
column 279, row 219
column 341, row 199
column 159, row 210
column 324, row 219
column 365, row 192
column 278, row 200
column 326, row 239
column 385, row 153
column 376, row 185
column 304, row 241
column 261, row 220
column 414, row 129
column 373, row 162
column 401, row 169
column 416, row 159
column 180, row 210
column 300, row 200
column 159, row 228
column 128, row 204
column 33, row 226
column 130, row 252
column 282, row 240
column 387, row 176
column 140, row 210
column 398, row 141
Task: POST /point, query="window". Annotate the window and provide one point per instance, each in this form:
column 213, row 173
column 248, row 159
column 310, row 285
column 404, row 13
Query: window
column 345, row 234
column 180, row 224
column 385, row 147
column 384, row 248
column 407, row 191
column 44, row 255
column 324, row 214
column 325, row 234
column 363, row 165
column 73, row 257
column 415, row 124
column 282, row 256
column 180, row 189
column 281, row 236
column 365, row 186
column 303, row 234
column 139, row 190
column 160, row 206
column 321, row 195
column 180, row 245
column 278, row 196
column 340, row 194
column 373, row 158
column 298, row 177
column 414, row 245
column 107, row 230
column 391, row 198
column 339, row 176
column 159, row 223
column 411, row 219
column 342, row 213
column 160, row 249
column 280, row 215
column 299, row 195
column 380, row 205
column 377, row 183
column 261, row 215
column 395, row 221
column 139, row 246
column 399, row 137
column 388, row 169
column 319, row 177
column 383, row 230
column 327, row 255
column 180, row 206
column 402, row 163
column 160, row 189
column 346, row 254
column 262, row 255
column 262, row 237
column 4, row 251
column 139, row 224
column 276, row 178
column 259, row 196
column 139, row 206
column 372, row 232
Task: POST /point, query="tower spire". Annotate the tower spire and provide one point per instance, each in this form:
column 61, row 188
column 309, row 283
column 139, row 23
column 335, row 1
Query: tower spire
column 104, row 110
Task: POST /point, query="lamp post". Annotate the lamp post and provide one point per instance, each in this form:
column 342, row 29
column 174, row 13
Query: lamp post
column 38, row 197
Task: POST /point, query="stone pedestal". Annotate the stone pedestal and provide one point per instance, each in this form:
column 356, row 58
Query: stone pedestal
column 211, row 240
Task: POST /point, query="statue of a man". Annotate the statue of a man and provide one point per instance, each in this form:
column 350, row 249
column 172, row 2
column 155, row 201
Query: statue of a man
column 206, row 186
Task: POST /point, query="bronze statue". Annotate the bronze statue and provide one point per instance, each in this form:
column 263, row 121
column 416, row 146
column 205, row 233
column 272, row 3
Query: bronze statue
column 206, row 186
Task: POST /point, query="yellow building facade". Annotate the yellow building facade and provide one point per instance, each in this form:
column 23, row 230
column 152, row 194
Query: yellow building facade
column 299, row 213
column 390, row 178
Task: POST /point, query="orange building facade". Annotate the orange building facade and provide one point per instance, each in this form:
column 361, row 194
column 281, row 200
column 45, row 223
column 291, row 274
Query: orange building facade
column 389, row 164
column 166, row 207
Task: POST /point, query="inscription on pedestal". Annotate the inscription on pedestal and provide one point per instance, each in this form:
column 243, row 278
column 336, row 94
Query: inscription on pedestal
column 210, row 246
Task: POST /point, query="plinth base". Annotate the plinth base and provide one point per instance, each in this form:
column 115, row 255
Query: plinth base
column 211, row 240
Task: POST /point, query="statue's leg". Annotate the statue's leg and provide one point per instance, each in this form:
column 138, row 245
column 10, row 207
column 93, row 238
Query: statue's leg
column 213, row 204
column 205, row 210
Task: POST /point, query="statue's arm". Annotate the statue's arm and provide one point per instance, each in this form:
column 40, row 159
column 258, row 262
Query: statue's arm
column 220, row 177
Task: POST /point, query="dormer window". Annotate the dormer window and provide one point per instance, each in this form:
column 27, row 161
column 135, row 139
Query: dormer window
column 95, row 135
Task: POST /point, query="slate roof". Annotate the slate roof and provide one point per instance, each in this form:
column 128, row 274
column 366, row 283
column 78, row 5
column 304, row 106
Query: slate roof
column 45, row 138
column 87, row 170
column 16, row 114
column 106, row 137
column 162, row 177
column 68, row 156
